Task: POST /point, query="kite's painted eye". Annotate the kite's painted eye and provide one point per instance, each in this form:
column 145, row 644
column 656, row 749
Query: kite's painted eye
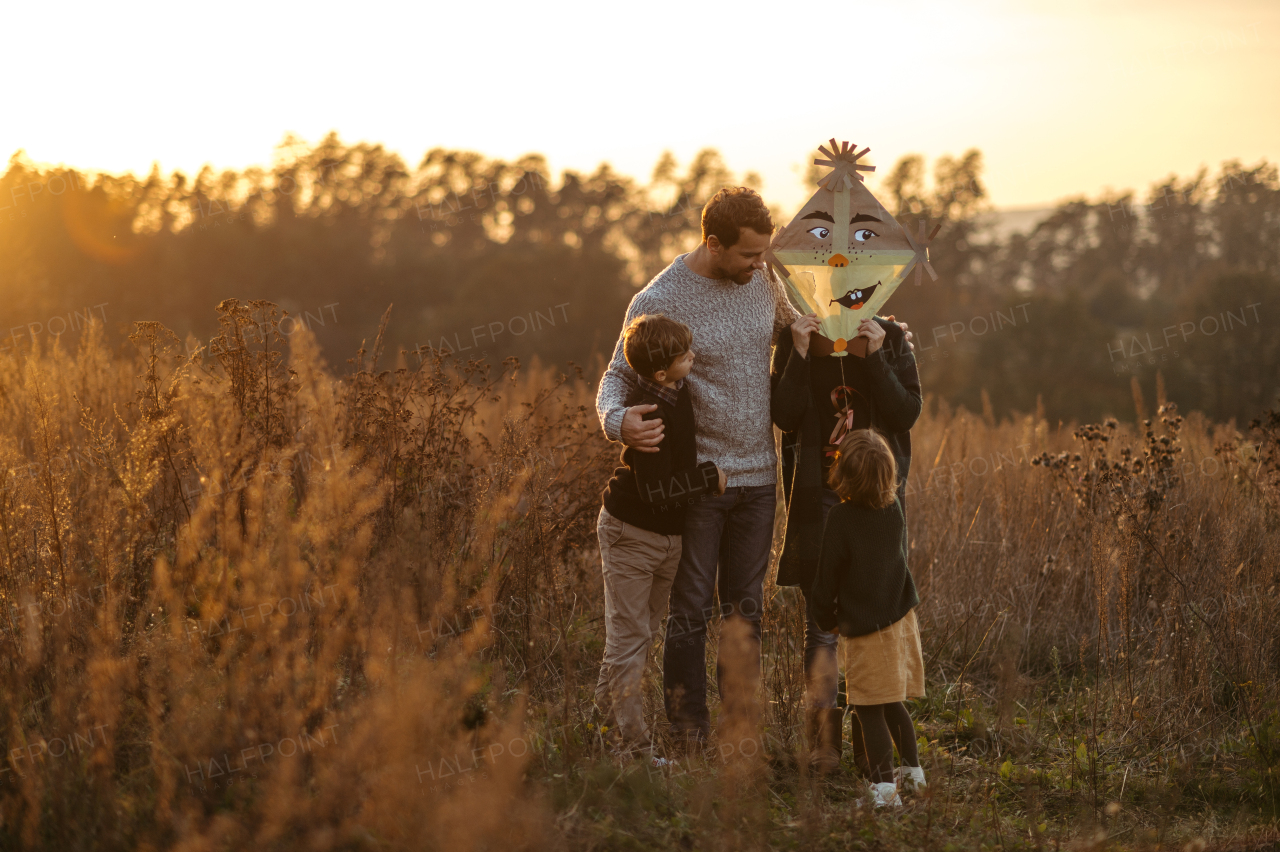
column 862, row 234
column 820, row 233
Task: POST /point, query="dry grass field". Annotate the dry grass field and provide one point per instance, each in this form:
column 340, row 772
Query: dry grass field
column 249, row 604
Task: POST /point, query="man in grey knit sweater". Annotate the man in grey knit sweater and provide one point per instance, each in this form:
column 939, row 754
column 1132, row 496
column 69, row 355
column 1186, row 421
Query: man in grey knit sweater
column 723, row 292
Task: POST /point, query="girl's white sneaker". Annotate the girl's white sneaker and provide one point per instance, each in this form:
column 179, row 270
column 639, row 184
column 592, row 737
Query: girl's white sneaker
column 909, row 778
column 885, row 794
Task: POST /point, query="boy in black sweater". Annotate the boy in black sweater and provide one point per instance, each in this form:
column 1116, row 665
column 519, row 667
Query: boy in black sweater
column 643, row 516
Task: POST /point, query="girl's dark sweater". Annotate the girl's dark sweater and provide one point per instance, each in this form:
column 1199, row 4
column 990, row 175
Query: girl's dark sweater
column 863, row 583
column 651, row 490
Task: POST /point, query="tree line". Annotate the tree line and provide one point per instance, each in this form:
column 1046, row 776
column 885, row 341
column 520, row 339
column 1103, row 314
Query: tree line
column 1172, row 294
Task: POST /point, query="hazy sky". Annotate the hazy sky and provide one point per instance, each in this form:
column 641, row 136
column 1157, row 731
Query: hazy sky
column 1062, row 98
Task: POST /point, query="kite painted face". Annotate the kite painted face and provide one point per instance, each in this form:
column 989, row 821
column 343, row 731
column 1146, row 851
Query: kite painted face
column 845, row 254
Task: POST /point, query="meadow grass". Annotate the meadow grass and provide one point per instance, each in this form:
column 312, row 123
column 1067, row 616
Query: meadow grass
column 250, row 604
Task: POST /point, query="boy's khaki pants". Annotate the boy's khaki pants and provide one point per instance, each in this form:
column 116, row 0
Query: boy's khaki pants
column 639, row 567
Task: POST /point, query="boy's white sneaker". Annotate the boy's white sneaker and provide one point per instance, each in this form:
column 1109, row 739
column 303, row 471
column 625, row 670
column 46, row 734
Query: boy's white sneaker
column 885, row 794
column 910, row 779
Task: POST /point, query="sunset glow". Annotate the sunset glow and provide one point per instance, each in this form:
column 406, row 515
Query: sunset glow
column 1062, row 99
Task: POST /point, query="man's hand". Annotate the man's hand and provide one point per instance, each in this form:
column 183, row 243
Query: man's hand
column 906, row 335
column 644, row 435
column 800, row 331
column 724, row 481
column 873, row 332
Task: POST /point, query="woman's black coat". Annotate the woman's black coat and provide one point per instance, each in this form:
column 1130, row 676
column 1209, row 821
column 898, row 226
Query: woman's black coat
column 888, row 379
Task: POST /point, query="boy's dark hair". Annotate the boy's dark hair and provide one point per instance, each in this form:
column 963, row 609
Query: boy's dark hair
column 653, row 342
column 865, row 472
column 732, row 209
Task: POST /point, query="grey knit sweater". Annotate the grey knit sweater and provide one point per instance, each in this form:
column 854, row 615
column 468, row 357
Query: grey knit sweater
column 733, row 329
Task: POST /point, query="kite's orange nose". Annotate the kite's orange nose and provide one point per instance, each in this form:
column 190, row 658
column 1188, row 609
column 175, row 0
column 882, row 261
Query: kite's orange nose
column 838, row 260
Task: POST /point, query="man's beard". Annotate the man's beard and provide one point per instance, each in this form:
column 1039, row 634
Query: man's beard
column 742, row 277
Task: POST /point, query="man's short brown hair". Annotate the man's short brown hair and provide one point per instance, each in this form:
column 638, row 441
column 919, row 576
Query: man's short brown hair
column 653, row 342
column 732, row 209
column 865, row 472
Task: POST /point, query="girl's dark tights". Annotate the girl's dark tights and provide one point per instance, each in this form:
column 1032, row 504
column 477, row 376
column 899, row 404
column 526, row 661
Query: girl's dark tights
column 883, row 727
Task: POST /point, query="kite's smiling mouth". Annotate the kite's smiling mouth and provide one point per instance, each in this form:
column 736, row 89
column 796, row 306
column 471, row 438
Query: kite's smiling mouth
column 855, row 299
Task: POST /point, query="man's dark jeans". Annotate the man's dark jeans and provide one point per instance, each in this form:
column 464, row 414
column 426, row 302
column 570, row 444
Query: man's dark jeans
column 734, row 531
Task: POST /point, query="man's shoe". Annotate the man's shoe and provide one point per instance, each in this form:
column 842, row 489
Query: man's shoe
column 691, row 743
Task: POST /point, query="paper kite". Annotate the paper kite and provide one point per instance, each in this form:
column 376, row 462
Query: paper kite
column 920, row 246
column 843, row 254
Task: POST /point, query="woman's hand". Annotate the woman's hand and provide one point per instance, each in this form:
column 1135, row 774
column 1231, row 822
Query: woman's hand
column 872, row 331
column 906, row 334
column 800, row 331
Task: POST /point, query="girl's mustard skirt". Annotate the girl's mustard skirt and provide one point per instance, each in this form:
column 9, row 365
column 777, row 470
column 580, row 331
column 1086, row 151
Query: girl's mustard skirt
column 885, row 666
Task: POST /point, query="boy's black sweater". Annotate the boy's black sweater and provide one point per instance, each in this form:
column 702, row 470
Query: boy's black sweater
column 863, row 582
column 651, row 490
